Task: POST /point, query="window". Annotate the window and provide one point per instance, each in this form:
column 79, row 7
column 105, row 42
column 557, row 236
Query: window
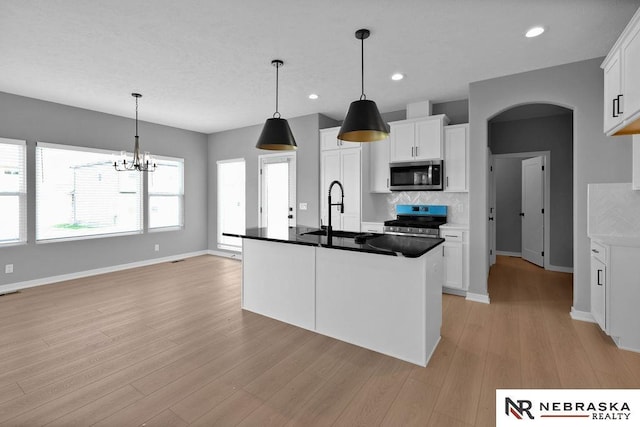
column 231, row 196
column 166, row 194
column 79, row 194
column 13, row 192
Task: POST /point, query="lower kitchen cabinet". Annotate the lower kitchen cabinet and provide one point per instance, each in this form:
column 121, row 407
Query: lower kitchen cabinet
column 635, row 183
column 615, row 292
column 455, row 252
column 372, row 227
column 599, row 284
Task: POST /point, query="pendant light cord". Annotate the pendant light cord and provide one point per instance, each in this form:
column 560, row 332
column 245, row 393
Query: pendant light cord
column 362, row 96
column 136, row 117
column 276, row 113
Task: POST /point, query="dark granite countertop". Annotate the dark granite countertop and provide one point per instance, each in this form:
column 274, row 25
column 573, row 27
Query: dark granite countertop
column 384, row 244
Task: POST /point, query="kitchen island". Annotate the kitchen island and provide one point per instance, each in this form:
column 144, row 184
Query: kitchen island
column 380, row 292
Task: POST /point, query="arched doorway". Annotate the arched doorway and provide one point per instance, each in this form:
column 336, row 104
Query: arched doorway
column 519, row 136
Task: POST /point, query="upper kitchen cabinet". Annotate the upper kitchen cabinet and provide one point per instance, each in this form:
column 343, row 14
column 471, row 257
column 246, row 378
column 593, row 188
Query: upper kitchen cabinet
column 622, row 82
column 343, row 165
column 329, row 140
column 379, row 166
column 456, row 147
column 417, row 139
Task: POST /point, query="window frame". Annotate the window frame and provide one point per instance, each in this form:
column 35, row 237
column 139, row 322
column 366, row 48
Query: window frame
column 112, row 154
column 180, row 197
column 22, row 196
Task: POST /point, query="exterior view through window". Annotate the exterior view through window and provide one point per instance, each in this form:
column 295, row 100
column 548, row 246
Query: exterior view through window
column 13, row 192
column 79, row 194
column 166, row 194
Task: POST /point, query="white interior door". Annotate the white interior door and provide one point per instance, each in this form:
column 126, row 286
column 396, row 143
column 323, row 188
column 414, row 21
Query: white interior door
column 277, row 193
column 491, row 185
column 533, row 210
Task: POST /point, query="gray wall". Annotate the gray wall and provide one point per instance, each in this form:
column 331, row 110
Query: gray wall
column 596, row 157
column 508, row 174
column 555, row 134
column 240, row 143
column 34, row 120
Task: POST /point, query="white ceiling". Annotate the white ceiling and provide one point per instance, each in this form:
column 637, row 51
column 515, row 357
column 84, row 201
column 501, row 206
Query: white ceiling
column 204, row 65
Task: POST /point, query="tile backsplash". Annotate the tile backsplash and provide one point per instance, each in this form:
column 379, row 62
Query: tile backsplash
column 458, row 203
column 613, row 210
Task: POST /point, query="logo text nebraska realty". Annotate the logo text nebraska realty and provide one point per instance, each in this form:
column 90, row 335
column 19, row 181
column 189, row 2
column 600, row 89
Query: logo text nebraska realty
column 595, row 410
column 577, row 407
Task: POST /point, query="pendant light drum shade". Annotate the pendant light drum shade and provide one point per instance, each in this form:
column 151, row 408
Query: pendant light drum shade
column 363, row 122
column 276, row 133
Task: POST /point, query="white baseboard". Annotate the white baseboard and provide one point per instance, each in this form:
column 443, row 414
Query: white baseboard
column 559, row 269
column 232, row 255
column 505, row 253
column 80, row 274
column 478, row 298
column 583, row 316
column 452, row 291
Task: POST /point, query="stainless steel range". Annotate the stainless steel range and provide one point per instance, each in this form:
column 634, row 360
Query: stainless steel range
column 417, row 220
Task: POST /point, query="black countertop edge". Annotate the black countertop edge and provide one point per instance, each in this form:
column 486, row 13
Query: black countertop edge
column 381, row 244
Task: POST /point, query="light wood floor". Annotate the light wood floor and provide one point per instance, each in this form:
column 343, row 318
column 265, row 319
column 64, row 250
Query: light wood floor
column 168, row 345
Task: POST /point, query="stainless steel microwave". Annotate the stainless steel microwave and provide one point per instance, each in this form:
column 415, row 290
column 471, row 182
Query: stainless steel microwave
column 412, row 176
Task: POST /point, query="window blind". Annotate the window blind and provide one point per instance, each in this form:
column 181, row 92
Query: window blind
column 80, row 195
column 166, row 194
column 13, row 192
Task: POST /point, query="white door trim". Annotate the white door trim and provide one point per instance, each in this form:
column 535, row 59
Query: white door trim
column 547, row 195
column 272, row 158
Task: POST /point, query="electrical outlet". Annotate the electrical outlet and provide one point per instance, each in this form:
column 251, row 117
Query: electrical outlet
column 303, row 206
column 157, row 248
column 8, row 269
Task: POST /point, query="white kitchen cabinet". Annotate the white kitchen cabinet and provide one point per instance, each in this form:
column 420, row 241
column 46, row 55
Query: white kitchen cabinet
column 456, row 147
column 343, row 165
column 455, row 252
column 329, row 140
column 379, row 166
column 612, row 93
column 615, row 292
column 372, row 227
column 417, row 139
column 598, row 284
column 622, row 82
column 635, row 182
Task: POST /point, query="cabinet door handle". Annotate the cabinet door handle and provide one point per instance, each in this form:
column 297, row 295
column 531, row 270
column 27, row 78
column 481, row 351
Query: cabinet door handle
column 447, row 182
column 615, row 100
column 387, row 182
column 618, row 98
column 449, row 235
column 595, row 251
column 411, row 151
column 598, row 283
column 416, row 151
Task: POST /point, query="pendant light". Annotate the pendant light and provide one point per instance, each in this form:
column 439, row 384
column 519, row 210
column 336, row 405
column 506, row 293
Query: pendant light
column 140, row 162
column 363, row 122
column 276, row 133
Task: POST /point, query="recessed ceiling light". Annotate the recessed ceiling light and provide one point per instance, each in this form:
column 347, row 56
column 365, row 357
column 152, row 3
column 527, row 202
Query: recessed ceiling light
column 313, row 96
column 397, row 76
column 534, row 32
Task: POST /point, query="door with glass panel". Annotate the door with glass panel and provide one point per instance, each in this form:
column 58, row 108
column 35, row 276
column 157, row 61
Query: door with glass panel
column 231, row 203
column 277, row 199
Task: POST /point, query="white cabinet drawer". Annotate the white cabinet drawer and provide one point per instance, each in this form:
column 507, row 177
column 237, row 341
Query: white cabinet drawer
column 372, row 227
column 451, row 235
column 599, row 251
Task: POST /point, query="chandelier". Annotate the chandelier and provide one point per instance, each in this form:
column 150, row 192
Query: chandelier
column 140, row 162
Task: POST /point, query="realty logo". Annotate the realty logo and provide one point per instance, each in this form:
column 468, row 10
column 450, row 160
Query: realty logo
column 518, row 409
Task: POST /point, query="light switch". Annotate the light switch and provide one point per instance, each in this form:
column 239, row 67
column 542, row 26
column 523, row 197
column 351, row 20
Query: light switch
column 8, row 269
column 303, row 206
